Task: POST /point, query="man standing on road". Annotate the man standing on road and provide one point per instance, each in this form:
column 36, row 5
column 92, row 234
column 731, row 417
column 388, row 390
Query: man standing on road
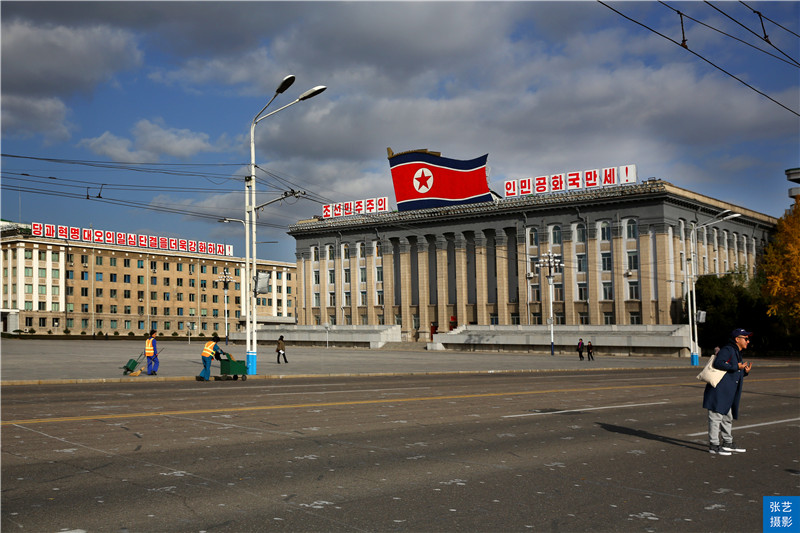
column 722, row 401
column 280, row 349
column 151, row 351
column 210, row 350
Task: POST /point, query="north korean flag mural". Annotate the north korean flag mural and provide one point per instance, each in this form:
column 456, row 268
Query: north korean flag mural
column 424, row 179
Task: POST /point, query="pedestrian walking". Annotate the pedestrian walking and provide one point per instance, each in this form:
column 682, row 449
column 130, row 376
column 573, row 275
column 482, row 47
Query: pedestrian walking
column 589, row 351
column 580, row 349
column 722, row 401
column 280, row 349
column 210, row 350
column 151, row 351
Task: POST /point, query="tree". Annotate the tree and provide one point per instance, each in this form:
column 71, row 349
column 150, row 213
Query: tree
column 781, row 268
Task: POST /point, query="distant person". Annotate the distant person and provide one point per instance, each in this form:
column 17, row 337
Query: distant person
column 722, row 401
column 151, row 351
column 580, row 349
column 210, row 350
column 280, row 349
column 589, row 351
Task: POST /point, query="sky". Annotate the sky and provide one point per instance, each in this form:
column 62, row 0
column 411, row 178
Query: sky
column 135, row 116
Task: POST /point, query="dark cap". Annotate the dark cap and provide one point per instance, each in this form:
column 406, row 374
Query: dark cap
column 215, row 337
column 739, row 332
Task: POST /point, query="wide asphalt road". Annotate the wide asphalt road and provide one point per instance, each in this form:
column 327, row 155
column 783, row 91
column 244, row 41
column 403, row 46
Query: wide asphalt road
column 616, row 450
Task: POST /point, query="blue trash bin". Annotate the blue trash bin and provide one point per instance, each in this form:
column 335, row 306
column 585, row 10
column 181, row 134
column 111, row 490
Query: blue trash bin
column 251, row 364
column 695, row 360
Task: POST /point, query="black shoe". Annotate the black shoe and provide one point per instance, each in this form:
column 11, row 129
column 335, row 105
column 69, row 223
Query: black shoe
column 731, row 447
column 717, row 449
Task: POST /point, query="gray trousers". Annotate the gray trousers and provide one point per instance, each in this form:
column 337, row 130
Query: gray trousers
column 720, row 424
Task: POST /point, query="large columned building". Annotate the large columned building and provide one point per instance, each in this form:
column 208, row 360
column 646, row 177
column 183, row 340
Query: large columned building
column 626, row 252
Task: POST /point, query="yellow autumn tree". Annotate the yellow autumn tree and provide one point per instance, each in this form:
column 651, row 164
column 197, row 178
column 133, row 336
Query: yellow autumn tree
column 781, row 267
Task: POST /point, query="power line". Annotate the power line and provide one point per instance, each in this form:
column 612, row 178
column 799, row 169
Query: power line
column 701, row 57
column 682, row 14
column 769, row 19
column 764, row 38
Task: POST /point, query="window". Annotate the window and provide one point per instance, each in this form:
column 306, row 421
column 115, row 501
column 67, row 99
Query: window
column 98, row 276
column 379, row 251
column 583, row 318
column 608, row 318
column 582, row 263
column 536, row 294
column 347, row 301
column 362, row 249
column 583, row 292
column 633, row 290
column 346, row 251
column 98, row 293
column 112, row 278
column 362, row 299
column 316, row 277
column 379, row 274
column 140, row 263
column 315, row 253
column 347, row 275
column 558, row 292
column 379, row 297
column 331, row 299
column 42, row 272
column 605, row 231
column 126, row 278
column 330, row 252
column 316, row 299
column 533, row 237
column 556, row 235
column 608, row 291
column 126, row 263
column 605, row 259
column 636, row 317
column 580, row 231
column 363, row 274
column 631, row 229
column 633, row 260
column 98, row 260
column 331, row 276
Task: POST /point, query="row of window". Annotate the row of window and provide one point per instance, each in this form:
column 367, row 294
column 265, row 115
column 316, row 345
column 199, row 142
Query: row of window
column 559, row 318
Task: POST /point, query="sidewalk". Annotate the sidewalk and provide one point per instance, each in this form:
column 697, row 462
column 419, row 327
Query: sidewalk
column 35, row 361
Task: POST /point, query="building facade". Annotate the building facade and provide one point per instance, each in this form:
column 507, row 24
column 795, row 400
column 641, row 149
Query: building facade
column 57, row 286
column 626, row 253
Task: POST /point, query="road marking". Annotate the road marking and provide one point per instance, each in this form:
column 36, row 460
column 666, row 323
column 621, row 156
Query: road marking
column 739, row 428
column 354, row 402
column 587, row 409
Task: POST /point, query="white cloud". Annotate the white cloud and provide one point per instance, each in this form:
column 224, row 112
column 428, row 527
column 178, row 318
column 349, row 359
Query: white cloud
column 151, row 141
column 24, row 116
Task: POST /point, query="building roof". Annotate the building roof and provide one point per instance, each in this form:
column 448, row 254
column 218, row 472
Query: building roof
column 631, row 192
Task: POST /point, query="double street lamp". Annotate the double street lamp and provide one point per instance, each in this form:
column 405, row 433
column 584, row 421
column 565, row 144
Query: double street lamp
column 552, row 262
column 691, row 302
column 250, row 214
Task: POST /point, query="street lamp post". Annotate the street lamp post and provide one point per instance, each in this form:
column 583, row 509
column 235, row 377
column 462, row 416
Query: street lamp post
column 250, row 207
column 245, row 284
column 552, row 262
column 225, row 278
column 692, row 300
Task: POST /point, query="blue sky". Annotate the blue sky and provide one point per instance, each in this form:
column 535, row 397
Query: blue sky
column 542, row 87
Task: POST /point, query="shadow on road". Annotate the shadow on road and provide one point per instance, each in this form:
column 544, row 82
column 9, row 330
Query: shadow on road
column 651, row 436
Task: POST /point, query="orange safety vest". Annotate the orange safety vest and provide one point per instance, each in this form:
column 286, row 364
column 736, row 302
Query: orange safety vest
column 148, row 347
column 208, row 349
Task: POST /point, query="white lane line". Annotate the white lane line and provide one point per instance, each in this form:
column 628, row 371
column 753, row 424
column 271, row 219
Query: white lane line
column 587, row 409
column 739, row 428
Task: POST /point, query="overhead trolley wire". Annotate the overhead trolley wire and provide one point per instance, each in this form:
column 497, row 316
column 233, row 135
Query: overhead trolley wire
column 701, row 57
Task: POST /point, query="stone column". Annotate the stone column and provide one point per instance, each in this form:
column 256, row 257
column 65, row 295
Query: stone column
column 647, row 265
column 481, row 285
column 388, row 282
column 664, row 290
column 593, row 266
column 620, row 258
column 569, row 276
column 372, row 285
column 501, row 258
column 424, row 289
column 461, row 278
column 522, row 272
column 404, row 249
column 443, row 318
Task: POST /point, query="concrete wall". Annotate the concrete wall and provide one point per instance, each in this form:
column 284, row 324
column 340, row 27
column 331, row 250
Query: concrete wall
column 357, row 336
column 654, row 340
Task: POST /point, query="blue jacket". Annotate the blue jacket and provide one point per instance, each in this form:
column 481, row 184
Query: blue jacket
column 728, row 391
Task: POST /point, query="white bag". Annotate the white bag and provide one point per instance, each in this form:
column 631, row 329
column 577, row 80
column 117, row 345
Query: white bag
column 711, row 375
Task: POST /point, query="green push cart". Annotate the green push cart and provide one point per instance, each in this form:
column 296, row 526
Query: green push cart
column 230, row 368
